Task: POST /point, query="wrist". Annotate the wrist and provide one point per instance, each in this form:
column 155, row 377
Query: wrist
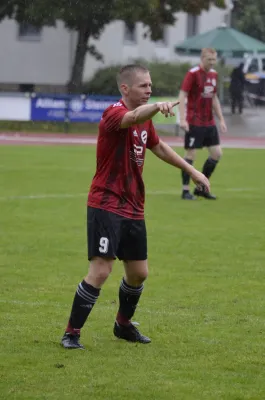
column 157, row 105
column 189, row 169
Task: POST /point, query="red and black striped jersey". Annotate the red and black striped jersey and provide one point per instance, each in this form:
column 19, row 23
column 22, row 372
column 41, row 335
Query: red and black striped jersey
column 201, row 87
column 117, row 185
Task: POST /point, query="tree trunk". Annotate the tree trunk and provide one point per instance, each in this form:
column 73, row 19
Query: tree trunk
column 75, row 83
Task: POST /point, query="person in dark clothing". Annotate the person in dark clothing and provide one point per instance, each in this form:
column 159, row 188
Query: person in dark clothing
column 237, row 85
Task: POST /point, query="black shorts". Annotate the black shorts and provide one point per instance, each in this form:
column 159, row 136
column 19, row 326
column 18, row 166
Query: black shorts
column 201, row 136
column 111, row 235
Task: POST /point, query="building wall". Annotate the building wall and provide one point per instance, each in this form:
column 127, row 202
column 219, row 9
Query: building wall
column 37, row 60
column 116, row 50
column 46, row 59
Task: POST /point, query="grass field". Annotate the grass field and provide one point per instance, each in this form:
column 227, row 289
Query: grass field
column 49, row 127
column 203, row 304
column 60, row 127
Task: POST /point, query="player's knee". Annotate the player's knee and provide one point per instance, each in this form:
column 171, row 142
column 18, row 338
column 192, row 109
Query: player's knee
column 136, row 274
column 216, row 154
column 142, row 275
column 100, row 269
column 103, row 274
column 190, row 154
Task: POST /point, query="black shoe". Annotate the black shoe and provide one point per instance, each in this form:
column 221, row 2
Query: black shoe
column 187, row 196
column 129, row 333
column 71, row 341
column 203, row 193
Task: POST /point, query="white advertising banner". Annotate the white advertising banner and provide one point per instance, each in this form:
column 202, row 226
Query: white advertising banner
column 15, row 108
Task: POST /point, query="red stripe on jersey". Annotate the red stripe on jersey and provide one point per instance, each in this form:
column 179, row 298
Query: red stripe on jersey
column 201, row 87
column 118, row 185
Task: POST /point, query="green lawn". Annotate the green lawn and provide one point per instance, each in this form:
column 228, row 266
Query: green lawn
column 203, row 304
column 76, row 128
column 49, row 127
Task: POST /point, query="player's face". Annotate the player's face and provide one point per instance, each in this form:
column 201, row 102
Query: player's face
column 140, row 91
column 209, row 60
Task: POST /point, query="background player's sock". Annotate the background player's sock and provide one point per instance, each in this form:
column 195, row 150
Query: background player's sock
column 186, row 177
column 128, row 297
column 209, row 167
column 85, row 297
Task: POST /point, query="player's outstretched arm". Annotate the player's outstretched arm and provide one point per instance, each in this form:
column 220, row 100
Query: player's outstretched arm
column 167, row 154
column 147, row 111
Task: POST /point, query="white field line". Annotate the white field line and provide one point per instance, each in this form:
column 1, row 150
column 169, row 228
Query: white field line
column 148, row 192
column 100, row 307
column 43, row 196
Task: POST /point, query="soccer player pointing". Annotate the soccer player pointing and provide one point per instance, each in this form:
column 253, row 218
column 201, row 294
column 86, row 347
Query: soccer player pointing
column 199, row 94
column 115, row 216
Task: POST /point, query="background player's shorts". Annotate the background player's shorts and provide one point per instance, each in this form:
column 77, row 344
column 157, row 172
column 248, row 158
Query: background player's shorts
column 201, row 136
column 110, row 235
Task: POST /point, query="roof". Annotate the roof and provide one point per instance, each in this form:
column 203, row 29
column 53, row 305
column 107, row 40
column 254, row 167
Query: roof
column 225, row 40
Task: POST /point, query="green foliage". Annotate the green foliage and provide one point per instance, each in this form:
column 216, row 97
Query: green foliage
column 37, row 12
column 103, row 82
column 155, row 14
column 166, row 78
column 89, row 18
column 249, row 17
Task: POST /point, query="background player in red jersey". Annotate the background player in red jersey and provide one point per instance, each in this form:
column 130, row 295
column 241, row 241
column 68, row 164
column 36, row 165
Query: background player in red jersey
column 198, row 96
column 115, row 218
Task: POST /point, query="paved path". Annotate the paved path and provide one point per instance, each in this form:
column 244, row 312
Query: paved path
column 250, row 124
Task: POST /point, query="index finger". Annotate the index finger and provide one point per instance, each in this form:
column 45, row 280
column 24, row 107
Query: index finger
column 175, row 103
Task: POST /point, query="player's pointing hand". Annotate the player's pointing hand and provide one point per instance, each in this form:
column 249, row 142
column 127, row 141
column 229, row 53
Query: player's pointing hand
column 200, row 181
column 166, row 108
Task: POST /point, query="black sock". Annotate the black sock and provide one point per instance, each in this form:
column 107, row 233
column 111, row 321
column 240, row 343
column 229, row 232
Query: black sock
column 209, row 167
column 129, row 297
column 185, row 176
column 85, row 297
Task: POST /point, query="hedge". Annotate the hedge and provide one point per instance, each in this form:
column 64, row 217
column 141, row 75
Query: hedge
column 166, row 78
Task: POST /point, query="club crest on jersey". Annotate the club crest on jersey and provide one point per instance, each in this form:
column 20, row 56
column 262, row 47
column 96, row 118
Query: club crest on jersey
column 208, row 89
column 208, row 92
column 144, row 137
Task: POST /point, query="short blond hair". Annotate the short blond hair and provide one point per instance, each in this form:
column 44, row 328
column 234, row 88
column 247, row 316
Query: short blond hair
column 206, row 50
column 126, row 73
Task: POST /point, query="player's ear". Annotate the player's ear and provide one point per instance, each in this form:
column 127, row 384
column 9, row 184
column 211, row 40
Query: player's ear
column 124, row 88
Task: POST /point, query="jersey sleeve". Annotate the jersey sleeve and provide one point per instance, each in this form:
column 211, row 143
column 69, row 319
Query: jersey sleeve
column 113, row 117
column 187, row 82
column 153, row 138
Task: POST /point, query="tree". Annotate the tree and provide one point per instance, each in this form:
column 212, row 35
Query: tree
column 37, row 12
column 249, row 17
column 89, row 17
